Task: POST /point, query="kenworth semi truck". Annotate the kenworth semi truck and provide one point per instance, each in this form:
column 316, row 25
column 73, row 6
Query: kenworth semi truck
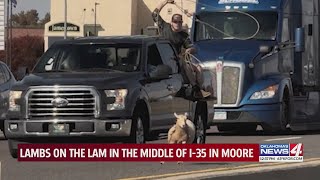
column 265, row 55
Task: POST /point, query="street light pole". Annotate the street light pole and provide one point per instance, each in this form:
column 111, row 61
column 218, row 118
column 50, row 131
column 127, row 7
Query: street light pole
column 7, row 36
column 65, row 19
column 95, row 18
column 10, row 53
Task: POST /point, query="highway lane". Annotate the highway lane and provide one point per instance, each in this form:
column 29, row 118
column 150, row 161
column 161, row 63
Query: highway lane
column 11, row 169
column 309, row 173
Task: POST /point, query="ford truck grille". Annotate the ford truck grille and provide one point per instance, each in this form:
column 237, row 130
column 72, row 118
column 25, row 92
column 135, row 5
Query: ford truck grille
column 228, row 80
column 62, row 102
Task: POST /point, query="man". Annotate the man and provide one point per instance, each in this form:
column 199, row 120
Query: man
column 180, row 39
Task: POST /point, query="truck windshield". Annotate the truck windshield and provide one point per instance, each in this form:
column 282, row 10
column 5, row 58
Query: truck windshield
column 88, row 58
column 234, row 25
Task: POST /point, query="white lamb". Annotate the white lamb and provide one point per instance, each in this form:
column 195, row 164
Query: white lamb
column 183, row 132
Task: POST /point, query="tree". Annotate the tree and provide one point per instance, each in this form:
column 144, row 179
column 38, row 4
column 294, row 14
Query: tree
column 24, row 19
column 26, row 51
column 45, row 19
column 32, row 17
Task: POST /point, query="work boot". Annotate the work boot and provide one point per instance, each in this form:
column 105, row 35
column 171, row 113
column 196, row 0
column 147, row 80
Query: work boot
column 205, row 93
column 202, row 94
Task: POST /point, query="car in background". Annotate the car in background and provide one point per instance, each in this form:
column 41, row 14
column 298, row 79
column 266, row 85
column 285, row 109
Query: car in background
column 6, row 81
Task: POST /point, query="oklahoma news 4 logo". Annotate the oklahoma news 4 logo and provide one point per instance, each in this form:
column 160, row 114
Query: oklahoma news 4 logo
column 281, row 152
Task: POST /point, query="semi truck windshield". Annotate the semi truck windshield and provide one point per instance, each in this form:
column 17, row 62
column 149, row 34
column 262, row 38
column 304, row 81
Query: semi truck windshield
column 233, row 25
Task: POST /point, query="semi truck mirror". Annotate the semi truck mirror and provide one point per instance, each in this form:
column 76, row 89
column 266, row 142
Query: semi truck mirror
column 299, row 40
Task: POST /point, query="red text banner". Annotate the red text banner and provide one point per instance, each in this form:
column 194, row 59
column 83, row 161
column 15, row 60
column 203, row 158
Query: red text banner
column 139, row 152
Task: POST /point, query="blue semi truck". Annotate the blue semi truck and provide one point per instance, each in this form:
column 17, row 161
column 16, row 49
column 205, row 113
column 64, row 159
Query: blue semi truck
column 264, row 55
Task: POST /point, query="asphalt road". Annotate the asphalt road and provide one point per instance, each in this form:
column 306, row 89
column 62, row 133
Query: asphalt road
column 11, row 169
column 310, row 173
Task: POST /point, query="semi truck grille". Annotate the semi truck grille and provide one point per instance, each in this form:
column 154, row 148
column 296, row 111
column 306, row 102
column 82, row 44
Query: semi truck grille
column 230, row 85
column 62, row 102
column 228, row 80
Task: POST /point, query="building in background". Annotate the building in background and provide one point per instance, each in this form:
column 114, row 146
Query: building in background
column 107, row 18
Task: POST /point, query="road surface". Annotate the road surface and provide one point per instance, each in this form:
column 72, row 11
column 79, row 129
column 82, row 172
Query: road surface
column 13, row 170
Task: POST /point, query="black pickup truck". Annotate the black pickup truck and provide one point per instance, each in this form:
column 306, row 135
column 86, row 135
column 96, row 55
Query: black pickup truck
column 96, row 88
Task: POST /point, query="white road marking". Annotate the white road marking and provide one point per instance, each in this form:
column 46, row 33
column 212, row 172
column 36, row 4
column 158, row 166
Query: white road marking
column 243, row 171
column 283, row 139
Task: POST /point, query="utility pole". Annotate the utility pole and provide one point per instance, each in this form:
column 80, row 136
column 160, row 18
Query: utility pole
column 65, row 19
column 7, row 32
column 95, row 18
column 10, row 59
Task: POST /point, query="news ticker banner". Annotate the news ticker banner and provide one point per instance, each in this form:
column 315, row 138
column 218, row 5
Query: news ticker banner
column 162, row 152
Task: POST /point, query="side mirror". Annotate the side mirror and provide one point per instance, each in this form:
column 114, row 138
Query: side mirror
column 299, row 40
column 264, row 49
column 161, row 72
column 22, row 72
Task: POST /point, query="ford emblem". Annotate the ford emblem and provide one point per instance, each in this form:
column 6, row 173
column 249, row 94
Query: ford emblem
column 59, row 102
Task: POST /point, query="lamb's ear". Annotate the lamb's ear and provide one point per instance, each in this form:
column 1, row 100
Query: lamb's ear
column 186, row 114
column 176, row 115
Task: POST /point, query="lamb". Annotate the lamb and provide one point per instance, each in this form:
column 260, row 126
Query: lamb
column 183, row 132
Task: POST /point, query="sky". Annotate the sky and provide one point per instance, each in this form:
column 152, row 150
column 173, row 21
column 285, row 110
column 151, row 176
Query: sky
column 42, row 6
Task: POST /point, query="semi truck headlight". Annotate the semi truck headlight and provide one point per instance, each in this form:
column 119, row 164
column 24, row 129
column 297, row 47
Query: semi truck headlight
column 119, row 96
column 13, row 98
column 267, row 93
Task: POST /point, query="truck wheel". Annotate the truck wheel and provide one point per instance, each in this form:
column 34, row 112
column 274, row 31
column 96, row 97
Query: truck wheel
column 285, row 112
column 200, row 124
column 284, row 117
column 2, row 126
column 138, row 130
column 12, row 150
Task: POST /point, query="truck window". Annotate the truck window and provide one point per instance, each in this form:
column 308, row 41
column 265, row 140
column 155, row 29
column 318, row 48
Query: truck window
column 168, row 56
column 48, row 60
column 154, row 58
column 232, row 25
column 2, row 75
column 91, row 57
column 7, row 73
column 285, row 30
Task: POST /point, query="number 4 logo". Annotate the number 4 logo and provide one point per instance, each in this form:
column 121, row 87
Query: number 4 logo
column 296, row 149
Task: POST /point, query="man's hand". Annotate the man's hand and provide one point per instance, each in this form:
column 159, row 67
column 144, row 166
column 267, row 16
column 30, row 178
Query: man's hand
column 191, row 50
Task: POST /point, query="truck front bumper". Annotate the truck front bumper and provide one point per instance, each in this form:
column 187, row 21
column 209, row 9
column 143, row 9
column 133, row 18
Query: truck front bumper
column 265, row 115
column 21, row 129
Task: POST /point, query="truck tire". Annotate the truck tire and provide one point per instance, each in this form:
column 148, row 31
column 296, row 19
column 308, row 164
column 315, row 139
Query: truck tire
column 2, row 125
column 201, row 128
column 281, row 127
column 138, row 129
column 2, row 129
column 285, row 112
column 12, row 150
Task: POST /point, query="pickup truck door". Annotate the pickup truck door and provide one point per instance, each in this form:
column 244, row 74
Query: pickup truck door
column 159, row 95
column 180, row 104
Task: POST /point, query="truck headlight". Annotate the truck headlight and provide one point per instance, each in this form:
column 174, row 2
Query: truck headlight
column 13, row 98
column 120, row 98
column 267, row 93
